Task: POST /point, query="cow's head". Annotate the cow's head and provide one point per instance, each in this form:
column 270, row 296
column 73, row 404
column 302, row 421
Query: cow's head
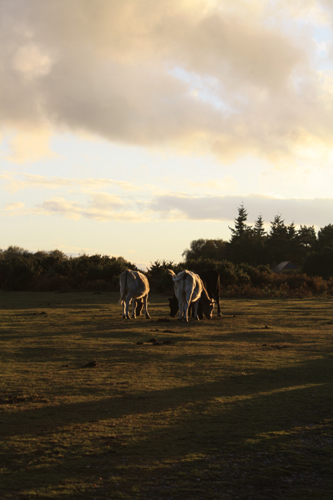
column 173, row 304
column 207, row 308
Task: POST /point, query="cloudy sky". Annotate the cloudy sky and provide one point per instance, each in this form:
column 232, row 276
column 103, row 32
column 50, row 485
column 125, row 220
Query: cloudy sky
column 132, row 127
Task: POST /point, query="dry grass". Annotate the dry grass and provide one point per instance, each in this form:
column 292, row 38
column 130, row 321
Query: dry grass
column 237, row 407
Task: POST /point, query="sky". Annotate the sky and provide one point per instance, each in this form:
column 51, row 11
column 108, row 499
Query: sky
column 132, row 127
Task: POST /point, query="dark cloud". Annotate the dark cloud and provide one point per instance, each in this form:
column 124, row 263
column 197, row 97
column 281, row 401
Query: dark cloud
column 107, row 68
column 316, row 212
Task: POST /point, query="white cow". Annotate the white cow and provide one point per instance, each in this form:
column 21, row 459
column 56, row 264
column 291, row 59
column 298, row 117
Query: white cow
column 133, row 286
column 188, row 289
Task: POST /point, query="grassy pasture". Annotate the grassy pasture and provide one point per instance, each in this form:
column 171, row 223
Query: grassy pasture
column 240, row 407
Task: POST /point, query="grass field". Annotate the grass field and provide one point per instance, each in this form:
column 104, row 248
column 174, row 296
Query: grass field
column 240, row 407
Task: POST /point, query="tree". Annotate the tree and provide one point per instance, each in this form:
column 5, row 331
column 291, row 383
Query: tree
column 259, row 243
column 325, row 237
column 319, row 263
column 205, row 249
column 259, row 229
column 306, row 241
column 241, row 227
column 243, row 239
column 278, row 229
column 278, row 241
column 306, row 236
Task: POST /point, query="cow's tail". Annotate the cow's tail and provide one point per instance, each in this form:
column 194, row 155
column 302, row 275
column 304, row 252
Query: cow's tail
column 180, row 276
column 204, row 293
column 123, row 285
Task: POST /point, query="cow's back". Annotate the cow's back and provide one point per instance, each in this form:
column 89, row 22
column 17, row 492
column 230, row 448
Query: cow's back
column 187, row 285
column 134, row 283
column 123, row 283
column 142, row 285
column 196, row 287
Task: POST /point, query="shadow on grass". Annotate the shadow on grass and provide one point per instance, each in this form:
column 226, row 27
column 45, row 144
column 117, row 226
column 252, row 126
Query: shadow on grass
column 266, row 435
column 262, row 435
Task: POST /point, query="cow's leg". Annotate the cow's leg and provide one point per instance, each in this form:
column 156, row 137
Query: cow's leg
column 145, row 301
column 134, row 308
column 200, row 312
column 123, row 303
column 186, row 309
column 128, row 300
column 196, row 307
column 192, row 310
column 218, row 306
column 181, row 309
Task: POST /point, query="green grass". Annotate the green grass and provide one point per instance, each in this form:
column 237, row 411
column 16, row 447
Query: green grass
column 237, row 407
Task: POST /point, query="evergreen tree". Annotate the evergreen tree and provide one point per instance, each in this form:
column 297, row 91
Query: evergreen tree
column 325, row 237
column 307, row 238
column 277, row 241
column 278, row 229
column 259, row 229
column 240, row 224
column 242, row 241
column 306, row 242
column 259, row 249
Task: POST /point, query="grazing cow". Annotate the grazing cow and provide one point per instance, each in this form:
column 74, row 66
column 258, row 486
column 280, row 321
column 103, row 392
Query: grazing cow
column 133, row 286
column 189, row 288
column 211, row 281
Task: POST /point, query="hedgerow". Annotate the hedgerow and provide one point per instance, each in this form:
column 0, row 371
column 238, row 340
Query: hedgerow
column 55, row 271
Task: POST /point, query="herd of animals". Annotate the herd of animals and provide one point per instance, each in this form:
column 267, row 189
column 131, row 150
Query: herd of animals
column 197, row 291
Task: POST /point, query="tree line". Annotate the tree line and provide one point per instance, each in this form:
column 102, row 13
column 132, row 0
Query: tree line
column 245, row 263
column 49, row 271
column 312, row 253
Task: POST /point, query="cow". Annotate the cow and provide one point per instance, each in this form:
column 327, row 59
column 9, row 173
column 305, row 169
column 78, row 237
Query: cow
column 211, row 281
column 134, row 287
column 189, row 288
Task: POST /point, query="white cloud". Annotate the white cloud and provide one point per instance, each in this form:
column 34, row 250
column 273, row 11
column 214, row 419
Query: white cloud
column 14, row 208
column 15, row 181
column 228, row 184
column 100, row 208
column 29, row 144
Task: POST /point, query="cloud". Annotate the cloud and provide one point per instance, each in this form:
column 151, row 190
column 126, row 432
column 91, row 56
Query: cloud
column 15, row 181
column 30, row 144
column 110, row 69
column 224, row 208
column 31, row 61
column 14, row 208
column 226, row 184
column 101, row 207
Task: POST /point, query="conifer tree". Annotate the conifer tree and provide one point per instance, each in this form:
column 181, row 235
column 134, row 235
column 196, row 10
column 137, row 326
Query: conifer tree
column 240, row 223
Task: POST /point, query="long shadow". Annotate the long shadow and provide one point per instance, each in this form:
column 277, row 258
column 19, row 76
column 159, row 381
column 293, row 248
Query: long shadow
column 263, row 385
column 219, row 435
column 214, row 446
